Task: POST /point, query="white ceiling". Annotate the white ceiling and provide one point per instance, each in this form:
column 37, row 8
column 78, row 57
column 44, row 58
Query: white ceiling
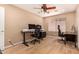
column 60, row 8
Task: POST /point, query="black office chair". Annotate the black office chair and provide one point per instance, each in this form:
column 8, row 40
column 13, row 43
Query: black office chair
column 60, row 34
column 38, row 34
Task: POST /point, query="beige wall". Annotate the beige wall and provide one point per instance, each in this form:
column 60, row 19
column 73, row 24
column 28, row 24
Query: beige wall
column 70, row 20
column 17, row 19
column 77, row 24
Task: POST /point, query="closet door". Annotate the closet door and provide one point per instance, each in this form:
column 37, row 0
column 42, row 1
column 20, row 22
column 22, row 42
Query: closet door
column 51, row 25
column 62, row 24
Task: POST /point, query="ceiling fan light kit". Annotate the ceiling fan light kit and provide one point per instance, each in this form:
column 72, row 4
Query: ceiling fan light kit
column 44, row 8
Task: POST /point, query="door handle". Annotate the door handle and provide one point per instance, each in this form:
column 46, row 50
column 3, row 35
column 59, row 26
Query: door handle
column 2, row 30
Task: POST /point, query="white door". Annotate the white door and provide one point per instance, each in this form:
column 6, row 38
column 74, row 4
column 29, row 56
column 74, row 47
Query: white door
column 51, row 25
column 62, row 24
column 2, row 17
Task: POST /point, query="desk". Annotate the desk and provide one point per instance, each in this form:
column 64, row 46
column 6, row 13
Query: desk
column 26, row 31
column 70, row 37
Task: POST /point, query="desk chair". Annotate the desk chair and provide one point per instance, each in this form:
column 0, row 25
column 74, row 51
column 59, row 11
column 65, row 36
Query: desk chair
column 38, row 34
column 60, row 34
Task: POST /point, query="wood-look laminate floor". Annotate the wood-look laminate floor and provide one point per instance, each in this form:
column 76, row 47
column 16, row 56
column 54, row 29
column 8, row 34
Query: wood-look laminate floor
column 50, row 45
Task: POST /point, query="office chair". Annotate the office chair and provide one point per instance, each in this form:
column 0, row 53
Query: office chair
column 38, row 34
column 60, row 34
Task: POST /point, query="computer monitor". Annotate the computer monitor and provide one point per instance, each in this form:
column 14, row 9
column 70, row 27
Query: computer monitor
column 38, row 26
column 31, row 26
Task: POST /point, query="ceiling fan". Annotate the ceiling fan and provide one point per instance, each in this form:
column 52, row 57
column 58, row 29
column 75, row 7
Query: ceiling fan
column 45, row 8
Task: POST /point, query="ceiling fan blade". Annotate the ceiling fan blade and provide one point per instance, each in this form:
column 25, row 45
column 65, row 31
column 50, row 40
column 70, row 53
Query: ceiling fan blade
column 37, row 8
column 51, row 8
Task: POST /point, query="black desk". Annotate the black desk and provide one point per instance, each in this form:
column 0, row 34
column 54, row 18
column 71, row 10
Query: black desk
column 70, row 37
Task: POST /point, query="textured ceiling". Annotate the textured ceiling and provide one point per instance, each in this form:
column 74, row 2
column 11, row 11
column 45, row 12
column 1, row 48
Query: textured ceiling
column 60, row 8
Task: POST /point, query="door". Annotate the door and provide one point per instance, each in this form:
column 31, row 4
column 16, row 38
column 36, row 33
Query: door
column 51, row 25
column 2, row 17
column 62, row 24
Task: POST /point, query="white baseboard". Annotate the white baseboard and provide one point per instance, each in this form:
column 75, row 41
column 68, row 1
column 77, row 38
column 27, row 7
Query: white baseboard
column 6, row 47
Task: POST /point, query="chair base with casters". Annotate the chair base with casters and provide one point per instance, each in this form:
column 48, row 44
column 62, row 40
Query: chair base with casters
column 38, row 38
column 34, row 41
column 38, row 34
